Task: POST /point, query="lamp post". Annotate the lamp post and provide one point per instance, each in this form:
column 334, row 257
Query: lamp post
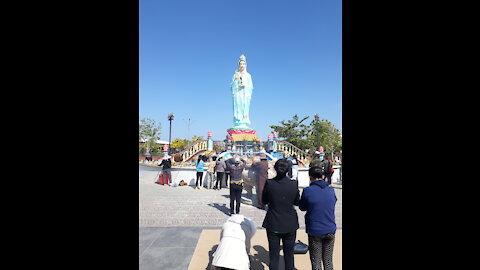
column 170, row 118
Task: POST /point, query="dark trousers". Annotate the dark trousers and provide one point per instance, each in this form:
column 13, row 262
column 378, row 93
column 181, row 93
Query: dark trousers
column 328, row 177
column 219, row 179
column 259, row 185
column 288, row 242
column 227, row 179
column 235, row 195
column 321, row 249
column 199, row 177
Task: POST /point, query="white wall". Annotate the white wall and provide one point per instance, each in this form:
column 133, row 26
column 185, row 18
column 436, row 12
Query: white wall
column 189, row 175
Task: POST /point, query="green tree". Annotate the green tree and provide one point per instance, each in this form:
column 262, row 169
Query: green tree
column 196, row 138
column 179, row 144
column 319, row 132
column 149, row 132
column 218, row 148
column 324, row 133
column 294, row 131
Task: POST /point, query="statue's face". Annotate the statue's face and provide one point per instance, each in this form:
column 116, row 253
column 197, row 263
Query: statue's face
column 242, row 65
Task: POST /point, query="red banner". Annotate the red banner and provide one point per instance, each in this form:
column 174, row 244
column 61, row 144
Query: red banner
column 241, row 131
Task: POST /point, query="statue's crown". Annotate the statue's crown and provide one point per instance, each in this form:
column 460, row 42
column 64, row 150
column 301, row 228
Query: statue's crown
column 242, row 58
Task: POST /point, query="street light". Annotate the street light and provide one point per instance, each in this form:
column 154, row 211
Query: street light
column 170, row 118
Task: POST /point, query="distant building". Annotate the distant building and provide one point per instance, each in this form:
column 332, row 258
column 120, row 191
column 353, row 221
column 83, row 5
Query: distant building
column 158, row 141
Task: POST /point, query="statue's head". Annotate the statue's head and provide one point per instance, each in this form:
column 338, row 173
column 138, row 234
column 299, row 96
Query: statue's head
column 242, row 63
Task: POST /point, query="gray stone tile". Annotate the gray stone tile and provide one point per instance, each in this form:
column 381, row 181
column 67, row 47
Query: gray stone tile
column 178, row 237
column 171, row 220
column 160, row 258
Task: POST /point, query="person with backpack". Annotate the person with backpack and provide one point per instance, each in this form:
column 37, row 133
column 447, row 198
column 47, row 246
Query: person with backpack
column 319, row 201
column 328, row 169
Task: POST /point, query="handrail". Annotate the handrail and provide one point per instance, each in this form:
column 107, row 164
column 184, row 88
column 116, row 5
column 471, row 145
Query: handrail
column 193, row 148
column 296, row 149
column 287, row 147
column 191, row 144
column 291, row 149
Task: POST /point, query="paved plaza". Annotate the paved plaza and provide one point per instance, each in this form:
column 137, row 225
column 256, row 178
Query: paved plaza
column 171, row 220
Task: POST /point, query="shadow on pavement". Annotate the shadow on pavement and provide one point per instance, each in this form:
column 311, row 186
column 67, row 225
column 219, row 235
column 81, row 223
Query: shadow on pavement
column 210, row 257
column 258, row 259
column 222, row 207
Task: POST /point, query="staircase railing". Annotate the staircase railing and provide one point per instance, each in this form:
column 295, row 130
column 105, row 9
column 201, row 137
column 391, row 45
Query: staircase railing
column 291, row 149
column 193, row 148
column 284, row 146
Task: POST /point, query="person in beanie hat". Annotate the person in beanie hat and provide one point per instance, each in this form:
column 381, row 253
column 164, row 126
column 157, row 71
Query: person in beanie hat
column 319, row 201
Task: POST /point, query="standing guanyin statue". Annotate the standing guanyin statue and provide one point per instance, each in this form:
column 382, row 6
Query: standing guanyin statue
column 242, row 89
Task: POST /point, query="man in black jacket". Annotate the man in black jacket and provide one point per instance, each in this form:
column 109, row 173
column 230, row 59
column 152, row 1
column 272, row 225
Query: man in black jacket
column 281, row 220
column 236, row 182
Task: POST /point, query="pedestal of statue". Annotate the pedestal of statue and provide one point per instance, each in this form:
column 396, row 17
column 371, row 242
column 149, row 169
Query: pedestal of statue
column 242, row 134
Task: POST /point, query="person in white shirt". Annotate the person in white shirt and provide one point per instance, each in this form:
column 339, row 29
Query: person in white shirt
column 235, row 241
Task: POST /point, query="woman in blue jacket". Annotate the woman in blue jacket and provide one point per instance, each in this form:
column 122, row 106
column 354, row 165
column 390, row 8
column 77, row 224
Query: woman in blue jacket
column 200, row 168
column 319, row 201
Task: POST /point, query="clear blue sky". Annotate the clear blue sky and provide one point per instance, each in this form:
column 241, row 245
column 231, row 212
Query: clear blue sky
column 189, row 51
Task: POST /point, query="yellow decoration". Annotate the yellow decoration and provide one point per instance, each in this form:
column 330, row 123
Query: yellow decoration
column 244, row 137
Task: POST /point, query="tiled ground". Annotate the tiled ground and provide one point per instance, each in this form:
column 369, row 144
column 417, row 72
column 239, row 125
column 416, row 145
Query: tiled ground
column 165, row 206
column 171, row 220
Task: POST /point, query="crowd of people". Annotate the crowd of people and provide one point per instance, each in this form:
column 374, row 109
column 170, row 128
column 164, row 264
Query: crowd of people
column 277, row 195
column 280, row 194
